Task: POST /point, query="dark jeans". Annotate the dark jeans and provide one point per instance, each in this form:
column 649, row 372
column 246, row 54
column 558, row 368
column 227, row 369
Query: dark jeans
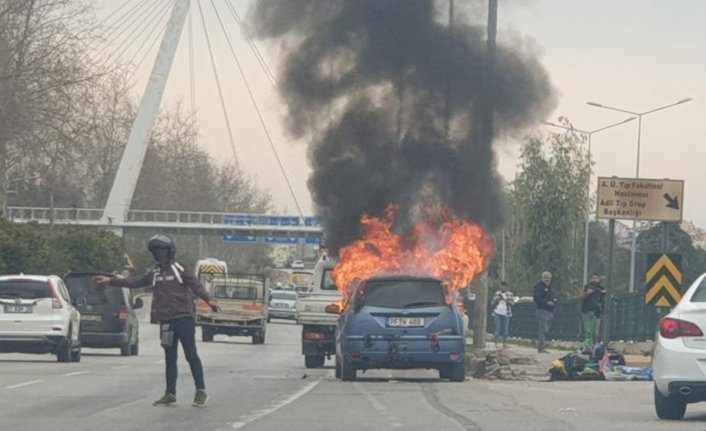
column 184, row 332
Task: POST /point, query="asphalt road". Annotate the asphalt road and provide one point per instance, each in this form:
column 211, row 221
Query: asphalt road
column 266, row 387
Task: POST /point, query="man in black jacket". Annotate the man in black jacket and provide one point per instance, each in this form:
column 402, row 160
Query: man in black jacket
column 544, row 300
column 172, row 300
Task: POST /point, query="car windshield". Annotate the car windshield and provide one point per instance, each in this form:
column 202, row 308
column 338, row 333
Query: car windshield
column 287, row 296
column 404, row 294
column 328, row 283
column 83, row 290
column 24, row 289
column 700, row 293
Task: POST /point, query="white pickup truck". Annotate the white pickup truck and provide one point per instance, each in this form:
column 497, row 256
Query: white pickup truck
column 318, row 327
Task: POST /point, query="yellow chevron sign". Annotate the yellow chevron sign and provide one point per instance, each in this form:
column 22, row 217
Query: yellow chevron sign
column 664, row 279
column 212, row 269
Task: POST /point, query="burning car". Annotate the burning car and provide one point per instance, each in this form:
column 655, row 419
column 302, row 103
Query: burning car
column 400, row 322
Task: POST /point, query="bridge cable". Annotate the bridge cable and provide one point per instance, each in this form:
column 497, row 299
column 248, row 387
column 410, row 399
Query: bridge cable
column 110, row 15
column 218, row 84
column 259, row 114
column 260, row 59
column 136, row 32
column 118, row 26
column 149, row 36
column 156, row 39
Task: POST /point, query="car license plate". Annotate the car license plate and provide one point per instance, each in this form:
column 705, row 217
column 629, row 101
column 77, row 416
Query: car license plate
column 405, row 322
column 18, row 309
column 91, row 317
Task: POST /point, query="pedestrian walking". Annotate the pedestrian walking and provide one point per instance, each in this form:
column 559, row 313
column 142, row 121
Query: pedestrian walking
column 173, row 304
column 592, row 305
column 501, row 305
column 544, row 300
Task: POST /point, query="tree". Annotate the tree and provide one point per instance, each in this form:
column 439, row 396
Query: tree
column 548, row 198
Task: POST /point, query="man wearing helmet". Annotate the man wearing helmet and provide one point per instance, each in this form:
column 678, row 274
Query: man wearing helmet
column 172, row 300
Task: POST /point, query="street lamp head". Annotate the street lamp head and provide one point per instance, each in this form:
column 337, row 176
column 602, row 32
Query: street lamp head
column 595, row 104
column 688, row 99
column 627, row 120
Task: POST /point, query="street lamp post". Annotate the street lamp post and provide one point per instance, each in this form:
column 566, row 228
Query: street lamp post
column 588, row 185
column 633, row 248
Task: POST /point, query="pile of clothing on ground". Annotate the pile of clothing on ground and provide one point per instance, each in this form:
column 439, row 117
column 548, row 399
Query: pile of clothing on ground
column 600, row 363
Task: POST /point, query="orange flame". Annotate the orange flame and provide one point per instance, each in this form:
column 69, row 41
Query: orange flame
column 453, row 250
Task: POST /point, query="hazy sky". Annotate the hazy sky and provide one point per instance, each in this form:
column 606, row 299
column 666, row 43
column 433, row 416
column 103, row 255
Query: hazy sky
column 631, row 54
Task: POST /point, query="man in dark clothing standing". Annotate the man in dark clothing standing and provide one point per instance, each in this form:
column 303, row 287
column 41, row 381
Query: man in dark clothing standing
column 592, row 303
column 544, row 300
column 172, row 300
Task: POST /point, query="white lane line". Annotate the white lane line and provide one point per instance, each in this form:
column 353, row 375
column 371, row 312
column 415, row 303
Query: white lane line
column 120, row 367
column 377, row 405
column 76, row 373
column 19, row 385
column 259, row 414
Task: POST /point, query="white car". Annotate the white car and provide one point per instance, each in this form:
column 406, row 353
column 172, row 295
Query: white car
column 679, row 358
column 36, row 316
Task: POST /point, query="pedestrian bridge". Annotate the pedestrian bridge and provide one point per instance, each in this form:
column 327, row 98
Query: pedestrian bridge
column 233, row 227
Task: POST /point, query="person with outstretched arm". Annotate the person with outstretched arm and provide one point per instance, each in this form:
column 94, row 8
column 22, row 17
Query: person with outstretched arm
column 172, row 302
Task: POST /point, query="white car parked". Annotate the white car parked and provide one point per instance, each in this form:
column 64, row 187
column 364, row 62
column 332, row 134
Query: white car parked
column 679, row 358
column 36, row 316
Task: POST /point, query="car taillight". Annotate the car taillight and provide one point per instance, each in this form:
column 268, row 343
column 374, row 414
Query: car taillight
column 122, row 315
column 314, row 336
column 55, row 302
column 673, row 328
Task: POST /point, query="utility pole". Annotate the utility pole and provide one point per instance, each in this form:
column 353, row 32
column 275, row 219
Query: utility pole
column 481, row 305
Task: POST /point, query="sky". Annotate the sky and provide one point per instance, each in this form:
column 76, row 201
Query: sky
column 636, row 55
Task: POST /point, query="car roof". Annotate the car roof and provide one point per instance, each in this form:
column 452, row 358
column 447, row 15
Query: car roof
column 403, row 277
column 84, row 274
column 28, row 277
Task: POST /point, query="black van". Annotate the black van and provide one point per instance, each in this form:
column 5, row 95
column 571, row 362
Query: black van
column 108, row 318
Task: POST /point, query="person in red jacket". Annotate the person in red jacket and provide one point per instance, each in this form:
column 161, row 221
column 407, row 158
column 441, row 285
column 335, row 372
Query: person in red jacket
column 172, row 300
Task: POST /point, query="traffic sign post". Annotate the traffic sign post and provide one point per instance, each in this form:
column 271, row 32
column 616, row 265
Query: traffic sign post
column 663, row 280
column 640, row 199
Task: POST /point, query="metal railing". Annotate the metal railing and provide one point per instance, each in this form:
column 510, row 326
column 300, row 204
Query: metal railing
column 630, row 319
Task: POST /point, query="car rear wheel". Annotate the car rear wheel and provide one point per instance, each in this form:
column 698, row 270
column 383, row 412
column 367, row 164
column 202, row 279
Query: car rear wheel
column 63, row 354
column 444, row 373
column 671, row 407
column 314, row 361
column 135, row 349
column 259, row 338
column 338, row 369
column 206, row 334
column 457, row 372
column 348, row 371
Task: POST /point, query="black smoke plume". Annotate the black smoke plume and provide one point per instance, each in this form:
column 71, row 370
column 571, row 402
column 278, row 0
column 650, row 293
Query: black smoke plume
column 390, row 97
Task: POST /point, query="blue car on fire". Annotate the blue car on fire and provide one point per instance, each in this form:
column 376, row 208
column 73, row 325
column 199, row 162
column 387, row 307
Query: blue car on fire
column 401, row 322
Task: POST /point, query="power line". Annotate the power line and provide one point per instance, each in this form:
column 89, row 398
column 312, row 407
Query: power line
column 218, row 83
column 259, row 114
column 260, row 59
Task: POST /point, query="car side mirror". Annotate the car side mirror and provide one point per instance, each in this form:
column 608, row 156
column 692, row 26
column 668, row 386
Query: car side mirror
column 139, row 303
column 333, row 309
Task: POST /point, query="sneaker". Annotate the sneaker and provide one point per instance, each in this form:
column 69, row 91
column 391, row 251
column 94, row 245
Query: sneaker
column 166, row 400
column 200, row 398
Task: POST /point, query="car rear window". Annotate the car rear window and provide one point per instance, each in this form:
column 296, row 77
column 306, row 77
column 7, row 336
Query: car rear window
column 235, row 292
column 84, row 290
column 328, row 283
column 700, row 292
column 24, row 289
column 404, row 294
column 291, row 296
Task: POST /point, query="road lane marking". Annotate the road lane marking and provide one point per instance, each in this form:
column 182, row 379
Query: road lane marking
column 76, row 373
column 377, row 405
column 120, row 367
column 259, row 414
column 19, row 385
